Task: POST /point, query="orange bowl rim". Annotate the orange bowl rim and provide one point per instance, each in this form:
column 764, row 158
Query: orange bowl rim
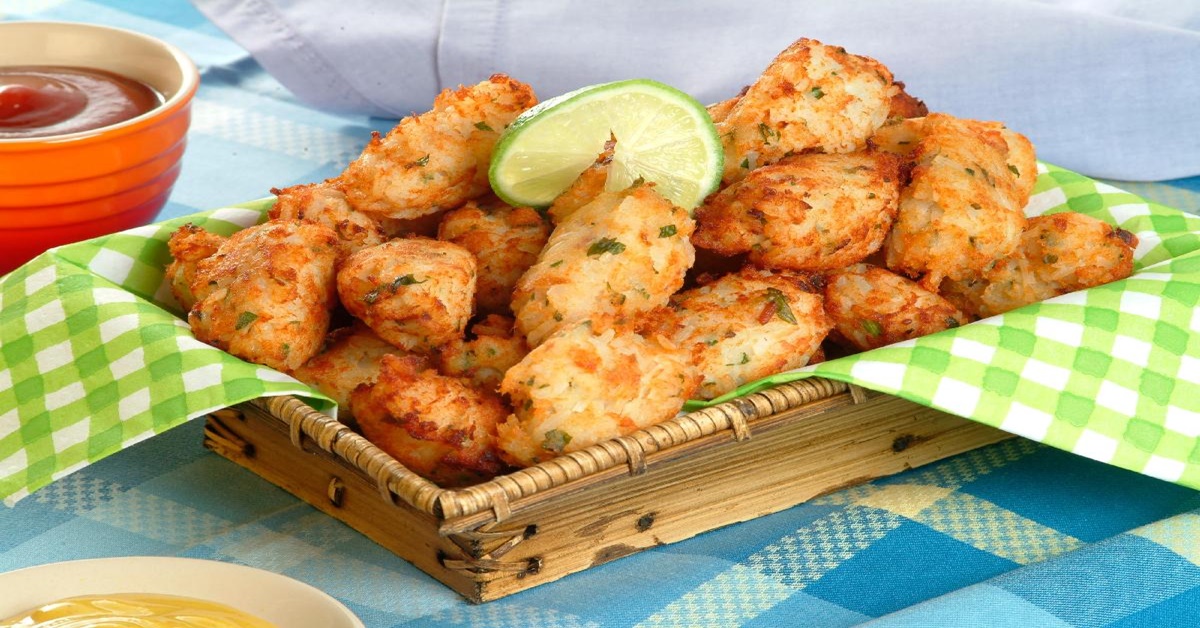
column 185, row 93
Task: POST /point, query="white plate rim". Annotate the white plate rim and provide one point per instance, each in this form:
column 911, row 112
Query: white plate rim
column 214, row 580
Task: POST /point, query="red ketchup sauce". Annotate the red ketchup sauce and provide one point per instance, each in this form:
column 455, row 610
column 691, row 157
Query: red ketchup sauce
column 40, row 101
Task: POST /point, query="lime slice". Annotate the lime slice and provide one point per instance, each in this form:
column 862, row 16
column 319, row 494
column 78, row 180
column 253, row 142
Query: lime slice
column 663, row 136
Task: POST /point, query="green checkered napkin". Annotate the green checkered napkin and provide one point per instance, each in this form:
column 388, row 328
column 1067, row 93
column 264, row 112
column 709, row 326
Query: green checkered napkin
column 94, row 356
column 1111, row 373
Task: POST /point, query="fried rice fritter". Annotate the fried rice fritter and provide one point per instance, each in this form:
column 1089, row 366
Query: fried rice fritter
column 268, row 292
column 349, row 357
column 485, row 357
column 325, row 204
column 416, row 293
column 505, row 242
column 871, row 307
column 807, row 212
column 589, row 383
column 1059, row 253
column 439, row 159
column 812, row 97
column 188, row 245
column 623, row 253
column 964, row 207
column 439, row 427
column 745, row 326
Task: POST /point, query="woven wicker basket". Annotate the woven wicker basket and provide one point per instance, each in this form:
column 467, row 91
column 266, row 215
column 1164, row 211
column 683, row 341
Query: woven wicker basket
column 663, row 484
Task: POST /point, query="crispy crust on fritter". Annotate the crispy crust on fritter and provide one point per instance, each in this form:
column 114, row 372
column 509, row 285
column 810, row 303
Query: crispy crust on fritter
column 904, row 105
column 589, row 383
column 267, row 292
column 871, row 307
column 586, row 187
column 745, row 326
column 807, row 212
column 188, row 245
column 505, row 242
column 964, row 207
column 439, row 159
column 484, row 359
column 623, row 253
column 438, row 427
column 349, row 357
column 812, row 97
column 416, row 293
column 1059, row 253
column 323, row 203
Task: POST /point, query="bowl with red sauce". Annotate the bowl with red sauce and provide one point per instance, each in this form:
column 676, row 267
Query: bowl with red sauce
column 93, row 123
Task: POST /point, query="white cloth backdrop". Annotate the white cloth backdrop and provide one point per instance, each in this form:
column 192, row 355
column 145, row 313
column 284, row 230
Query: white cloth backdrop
column 1109, row 88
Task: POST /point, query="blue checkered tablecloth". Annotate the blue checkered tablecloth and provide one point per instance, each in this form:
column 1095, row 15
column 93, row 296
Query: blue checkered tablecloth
column 1015, row 534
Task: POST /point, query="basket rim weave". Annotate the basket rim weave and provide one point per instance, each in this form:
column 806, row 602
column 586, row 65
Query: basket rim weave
column 494, row 500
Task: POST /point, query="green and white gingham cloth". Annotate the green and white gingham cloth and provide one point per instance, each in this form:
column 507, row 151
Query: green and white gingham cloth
column 94, row 355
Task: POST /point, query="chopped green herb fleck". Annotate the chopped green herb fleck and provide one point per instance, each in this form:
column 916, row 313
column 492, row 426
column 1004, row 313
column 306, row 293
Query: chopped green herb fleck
column 745, row 163
column 287, row 348
column 970, row 171
column 872, row 327
column 422, row 162
column 782, row 309
column 1050, row 258
column 406, row 280
column 556, row 264
column 870, row 195
column 817, row 92
column 558, row 316
column 483, row 126
column 1014, row 170
column 951, row 322
column 745, row 359
column 667, row 231
column 767, row 132
column 244, row 319
column 556, row 441
column 605, row 245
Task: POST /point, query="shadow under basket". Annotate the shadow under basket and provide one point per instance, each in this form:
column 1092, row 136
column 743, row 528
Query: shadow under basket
column 732, row 462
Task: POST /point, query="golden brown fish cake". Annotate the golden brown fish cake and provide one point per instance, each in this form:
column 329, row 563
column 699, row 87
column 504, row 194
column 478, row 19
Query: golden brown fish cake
column 505, row 242
column 623, row 253
column 270, row 289
column 745, row 326
column 349, row 357
column 325, row 204
column 871, row 307
column 415, row 293
column 964, row 206
column 1059, row 253
column 439, row 159
column 485, row 357
column 589, row 383
column 188, row 245
column 807, row 212
column 811, row 98
column 439, row 427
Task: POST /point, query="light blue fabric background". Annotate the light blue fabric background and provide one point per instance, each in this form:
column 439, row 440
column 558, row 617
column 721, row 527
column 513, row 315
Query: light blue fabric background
column 1072, row 75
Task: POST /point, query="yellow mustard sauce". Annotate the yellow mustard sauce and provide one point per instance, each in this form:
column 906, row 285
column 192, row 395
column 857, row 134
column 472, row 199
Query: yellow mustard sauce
column 134, row 610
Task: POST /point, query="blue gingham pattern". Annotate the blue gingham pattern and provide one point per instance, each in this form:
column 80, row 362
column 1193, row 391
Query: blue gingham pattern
column 1015, row 534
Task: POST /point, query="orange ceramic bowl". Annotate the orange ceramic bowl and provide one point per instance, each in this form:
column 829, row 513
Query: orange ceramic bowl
column 65, row 188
